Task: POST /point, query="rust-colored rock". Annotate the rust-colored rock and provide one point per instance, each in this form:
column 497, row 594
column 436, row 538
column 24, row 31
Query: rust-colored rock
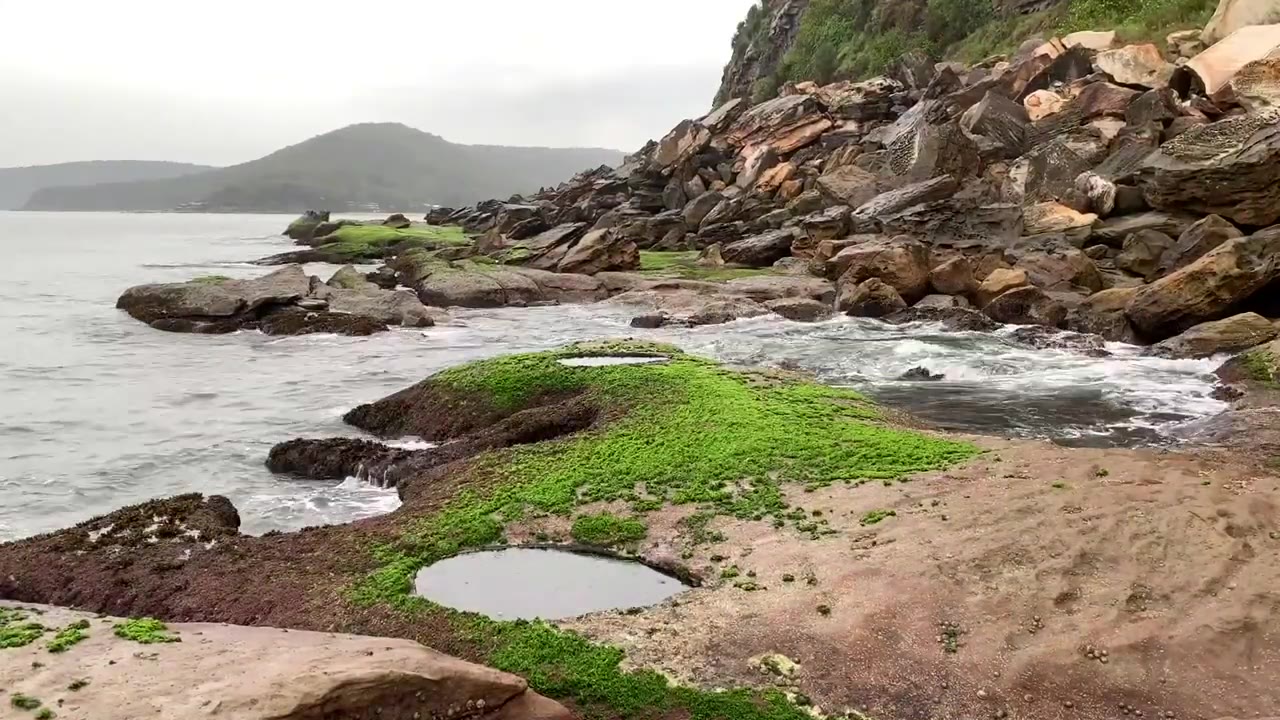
column 1233, row 334
column 1027, row 305
column 1000, row 281
column 901, row 262
column 954, row 277
column 870, row 298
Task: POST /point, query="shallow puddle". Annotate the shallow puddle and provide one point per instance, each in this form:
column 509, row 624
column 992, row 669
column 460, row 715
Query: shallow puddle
column 526, row 583
column 602, row 360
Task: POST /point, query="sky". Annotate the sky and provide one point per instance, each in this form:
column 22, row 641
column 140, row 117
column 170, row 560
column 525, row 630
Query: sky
column 226, row 82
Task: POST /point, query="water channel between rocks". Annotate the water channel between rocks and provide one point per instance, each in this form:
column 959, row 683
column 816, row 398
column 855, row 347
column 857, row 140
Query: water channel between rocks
column 101, row 411
column 527, row 583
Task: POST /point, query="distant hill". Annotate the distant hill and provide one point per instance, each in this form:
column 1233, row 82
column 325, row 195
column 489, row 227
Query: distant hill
column 17, row 184
column 384, row 166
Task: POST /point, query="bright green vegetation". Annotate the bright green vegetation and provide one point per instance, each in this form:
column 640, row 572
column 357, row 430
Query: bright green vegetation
column 875, row 517
column 147, row 631
column 68, row 636
column 608, row 530
column 1261, row 366
column 860, row 38
column 371, row 242
column 730, row 572
column 688, row 432
column 683, row 265
column 15, row 631
column 210, row 279
column 78, row 685
column 24, row 702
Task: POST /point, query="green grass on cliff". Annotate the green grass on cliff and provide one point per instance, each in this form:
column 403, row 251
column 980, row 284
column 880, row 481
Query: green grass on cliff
column 860, row 38
column 692, row 433
column 371, row 242
column 1262, row 366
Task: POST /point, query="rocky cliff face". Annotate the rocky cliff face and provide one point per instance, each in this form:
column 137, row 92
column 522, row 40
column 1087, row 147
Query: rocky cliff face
column 762, row 40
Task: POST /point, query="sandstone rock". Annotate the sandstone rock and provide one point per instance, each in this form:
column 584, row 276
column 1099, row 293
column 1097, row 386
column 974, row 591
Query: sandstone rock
column 1153, row 106
column 900, row 262
column 1213, row 70
column 711, row 256
column 942, row 302
column 1232, row 15
column 1114, row 230
column 870, row 298
column 1027, row 305
column 650, row 321
column 1229, row 168
column 297, row 321
column 763, row 288
column 597, row 251
column 1110, row 326
column 1091, row 39
column 1257, row 85
column 1052, row 262
column 1050, row 217
column 1142, row 252
column 1229, row 335
column 784, row 124
column 261, row 673
column 760, row 250
column 999, row 282
column 1185, row 43
column 849, row 185
column 685, row 140
column 723, row 310
column 999, row 123
column 957, row 222
column 828, row 224
column 1049, row 170
column 894, row 201
column 809, row 201
column 1142, row 65
column 1204, row 235
column 1207, row 288
column 954, row 277
column 727, row 210
column 800, row 309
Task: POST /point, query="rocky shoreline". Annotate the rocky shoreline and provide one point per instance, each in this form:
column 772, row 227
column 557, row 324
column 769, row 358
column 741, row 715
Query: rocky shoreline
column 1086, row 191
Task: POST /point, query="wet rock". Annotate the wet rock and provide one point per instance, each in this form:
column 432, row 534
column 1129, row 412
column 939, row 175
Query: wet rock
column 955, row 319
column 1143, row 251
column 800, row 309
column 999, row 282
column 760, row 250
column 1229, row 168
column 1026, row 306
column 214, row 297
column 849, row 185
column 942, row 301
column 917, row 374
column 1049, row 338
column 900, row 262
column 723, row 310
column 1259, row 365
column 304, row 227
column 389, row 307
column 296, row 321
column 1207, row 288
column 762, row 288
column 338, row 459
column 650, row 320
column 348, row 278
column 1233, row 334
column 1204, row 235
column 398, row 221
column 954, row 277
column 1142, row 65
column 870, row 298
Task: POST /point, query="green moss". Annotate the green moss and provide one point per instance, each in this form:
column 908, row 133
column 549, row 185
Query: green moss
column 689, row 432
column 730, row 572
column 875, row 517
column 684, row 265
column 147, row 631
column 210, row 279
column 68, row 636
column 24, row 702
column 1261, row 366
column 46, row 714
column 371, row 242
column 78, row 685
column 608, row 530
column 15, row 632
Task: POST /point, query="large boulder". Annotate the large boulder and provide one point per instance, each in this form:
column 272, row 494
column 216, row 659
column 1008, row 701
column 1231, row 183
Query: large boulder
column 1052, row 262
column 239, row 672
column 1229, row 335
column 1027, row 305
column 304, row 227
column 1142, row 252
column 870, row 298
column 954, row 277
column 894, row 201
column 1257, row 85
column 816, row 227
column 1203, row 236
column 1142, row 65
column 597, row 251
column 1232, row 15
column 998, row 124
column 800, row 309
column 849, row 185
column 760, row 250
column 999, row 282
column 901, row 262
column 1207, row 288
column 390, row 307
column 1229, row 168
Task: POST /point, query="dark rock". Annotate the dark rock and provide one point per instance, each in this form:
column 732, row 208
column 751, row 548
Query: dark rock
column 296, row 321
column 305, row 226
column 397, row 220
column 1054, row 263
column 1114, row 231
column 953, row 319
column 800, row 309
column 957, row 223
column 827, row 224
column 1026, row 306
column 1153, row 106
column 894, row 201
column 760, row 250
column 921, row 374
column 1001, row 125
column 1048, row 338
column 849, row 185
column 1204, row 235
column 650, row 320
column 1142, row 252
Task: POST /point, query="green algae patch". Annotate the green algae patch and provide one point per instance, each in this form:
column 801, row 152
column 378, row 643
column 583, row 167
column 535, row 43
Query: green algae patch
column 210, row 279
column 372, row 242
column 147, row 631
column 69, row 636
column 683, row 432
column 606, row 530
column 16, row 631
column 683, row 265
column 24, row 702
column 1261, row 366
column 875, row 517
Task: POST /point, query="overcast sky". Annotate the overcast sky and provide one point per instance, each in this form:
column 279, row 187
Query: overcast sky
column 229, row 81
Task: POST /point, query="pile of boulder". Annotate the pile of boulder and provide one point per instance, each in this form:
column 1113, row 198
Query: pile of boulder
column 1122, row 190
column 284, row 302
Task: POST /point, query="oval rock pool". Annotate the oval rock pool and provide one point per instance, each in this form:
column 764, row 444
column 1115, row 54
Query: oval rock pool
column 529, row 583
